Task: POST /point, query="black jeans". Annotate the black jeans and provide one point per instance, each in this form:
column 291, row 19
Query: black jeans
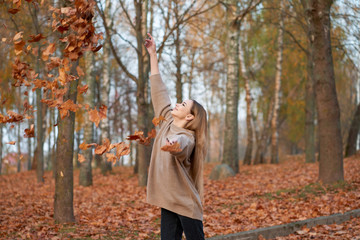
column 173, row 225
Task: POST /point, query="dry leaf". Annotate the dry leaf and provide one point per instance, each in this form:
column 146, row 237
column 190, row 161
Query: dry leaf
column 172, row 148
column 30, row 133
column 156, row 121
column 81, row 158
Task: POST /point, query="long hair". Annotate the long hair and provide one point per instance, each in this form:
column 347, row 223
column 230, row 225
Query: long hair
column 199, row 126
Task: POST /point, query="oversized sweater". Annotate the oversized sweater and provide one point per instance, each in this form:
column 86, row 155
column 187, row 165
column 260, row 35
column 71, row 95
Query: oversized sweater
column 169, row 184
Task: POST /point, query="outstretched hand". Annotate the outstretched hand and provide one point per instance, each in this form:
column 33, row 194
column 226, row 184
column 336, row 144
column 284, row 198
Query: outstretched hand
column 150, row 44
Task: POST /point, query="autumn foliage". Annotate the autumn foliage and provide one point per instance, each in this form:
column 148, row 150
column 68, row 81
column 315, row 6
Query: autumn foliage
column 114, row 207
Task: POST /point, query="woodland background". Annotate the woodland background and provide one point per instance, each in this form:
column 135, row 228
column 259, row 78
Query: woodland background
column 75, row 84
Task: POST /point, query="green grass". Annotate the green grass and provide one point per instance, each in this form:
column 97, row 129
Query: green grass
column 310, row 190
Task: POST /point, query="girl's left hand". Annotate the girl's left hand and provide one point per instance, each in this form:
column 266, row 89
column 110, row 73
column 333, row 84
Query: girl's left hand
column 150, row 44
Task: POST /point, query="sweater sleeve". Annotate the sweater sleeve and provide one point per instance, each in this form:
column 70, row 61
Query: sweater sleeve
column 160, row 97
column 186, row 145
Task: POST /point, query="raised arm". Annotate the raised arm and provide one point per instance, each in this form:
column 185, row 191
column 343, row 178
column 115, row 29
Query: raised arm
column 151, row 48
column 159, row 95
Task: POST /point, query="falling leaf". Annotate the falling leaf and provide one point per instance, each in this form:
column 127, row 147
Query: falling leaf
column 81, row 158
column 29, row 133
column 80, row 72
column 84, row 146
column 102, row 111
column 82, row 89
column 18, row 46
column 13, row 10
column 62, row 76
column 12, row 126
column 11, row 143
column 152, row 133
column 18, row 36
column 36, row 38
column 100, row 149
column 137, row 135
column 17, row 3
column 95, row 49
column 156, row 121
column 61, row 174
column 122, row 149
column 48, row 51
column 111, row 157
column 3, row 39
column 172, row 148
column 94, row 117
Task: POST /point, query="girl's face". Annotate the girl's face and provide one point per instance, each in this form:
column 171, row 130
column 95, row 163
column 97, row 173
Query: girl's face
column 183, row 110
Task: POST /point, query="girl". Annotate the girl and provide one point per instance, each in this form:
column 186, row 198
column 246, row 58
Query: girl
column 175, row 180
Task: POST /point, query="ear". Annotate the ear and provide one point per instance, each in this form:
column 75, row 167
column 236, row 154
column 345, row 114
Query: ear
column 189, row 117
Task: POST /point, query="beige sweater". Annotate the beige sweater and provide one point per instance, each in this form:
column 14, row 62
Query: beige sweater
column 169, row 184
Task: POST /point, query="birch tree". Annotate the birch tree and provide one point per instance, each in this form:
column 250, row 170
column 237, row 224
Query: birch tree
column 230, row 152
column 85, row 176
column 274, row 120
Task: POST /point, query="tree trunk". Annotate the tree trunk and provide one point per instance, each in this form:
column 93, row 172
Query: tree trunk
column 19, row 145
column 274, row 121
column 178, row 74
column 104, row 94
column 1, row 145
column 310, row 147
column 249, row 145
column 262, row 142
column 353, row 134
column 230, row 152
column 331, row 159
column 310, row 111
column 129, row 120
column 85, row 177
column 142, row 118
column 64, row 180
column 54, row 147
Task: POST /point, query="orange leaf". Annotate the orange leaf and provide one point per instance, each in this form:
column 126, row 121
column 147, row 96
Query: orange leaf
column 13, row 10
column 84, row 146
column 94, row 117
column 81, row 158
column 18, row 36
column 29, row 133
column 36, row 38
column 152, row 133
column 111, row 157
column 19, row 45
column 12, row 142
column 100, row 149
column 156, row 121
column 80, row 72
column 122, row 149
column 49, row 50
column 62, row 76
column 82, row 89
column 102, row 111
column 172, row 148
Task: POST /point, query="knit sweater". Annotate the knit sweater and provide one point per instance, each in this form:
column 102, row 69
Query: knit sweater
column 170, row 185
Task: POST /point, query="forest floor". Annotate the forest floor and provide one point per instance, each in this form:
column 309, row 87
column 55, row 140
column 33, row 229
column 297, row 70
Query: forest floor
column 114, row 207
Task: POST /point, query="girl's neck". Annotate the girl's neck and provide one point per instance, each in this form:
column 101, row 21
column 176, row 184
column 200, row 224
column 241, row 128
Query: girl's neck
column 179, row 123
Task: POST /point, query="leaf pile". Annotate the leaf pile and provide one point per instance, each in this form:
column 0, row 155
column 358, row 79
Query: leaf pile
column 114, row 207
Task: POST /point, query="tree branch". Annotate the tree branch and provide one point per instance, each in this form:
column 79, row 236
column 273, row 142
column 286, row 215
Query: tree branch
column 117, row 58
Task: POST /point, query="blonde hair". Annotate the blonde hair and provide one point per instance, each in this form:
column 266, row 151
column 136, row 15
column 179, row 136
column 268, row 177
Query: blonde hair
column 199, row 126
